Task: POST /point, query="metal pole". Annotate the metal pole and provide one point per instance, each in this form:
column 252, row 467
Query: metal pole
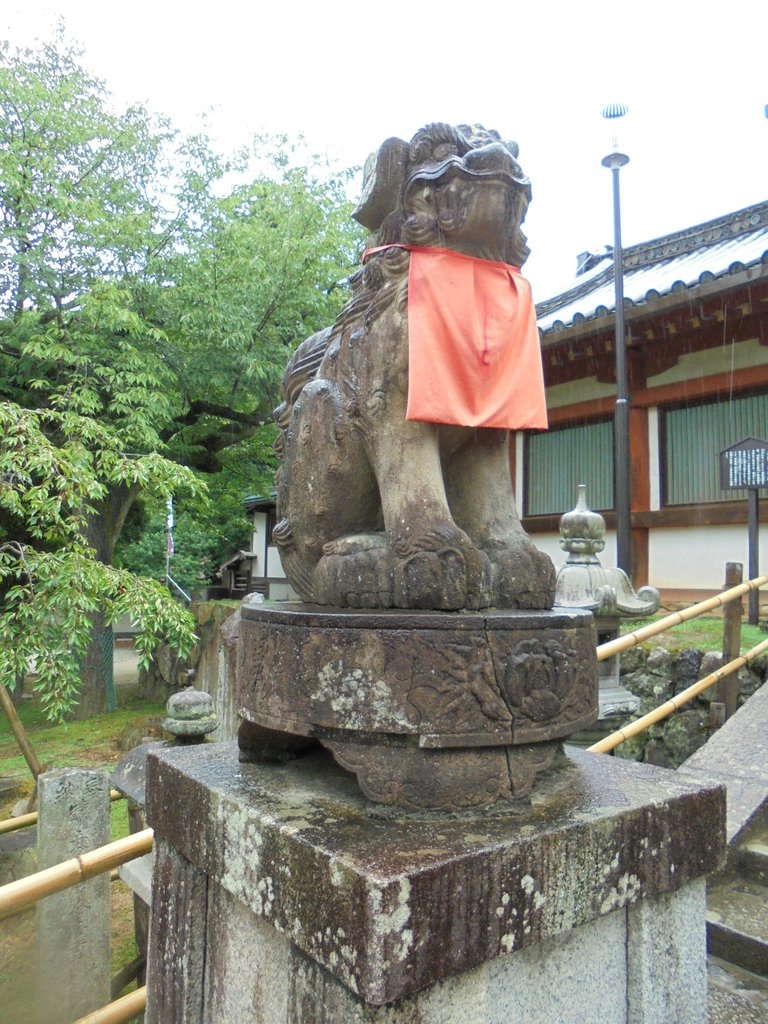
column 168, row 538
column 754, row 552
column 621, row 416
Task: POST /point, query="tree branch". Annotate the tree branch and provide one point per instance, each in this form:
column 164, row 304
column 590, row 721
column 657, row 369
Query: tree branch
column 200, row 408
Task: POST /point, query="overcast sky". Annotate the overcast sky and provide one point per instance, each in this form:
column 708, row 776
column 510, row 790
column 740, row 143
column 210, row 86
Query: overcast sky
column 348, row 75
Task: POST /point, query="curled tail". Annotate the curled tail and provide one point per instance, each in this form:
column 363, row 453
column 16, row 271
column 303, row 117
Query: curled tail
column 301, row 369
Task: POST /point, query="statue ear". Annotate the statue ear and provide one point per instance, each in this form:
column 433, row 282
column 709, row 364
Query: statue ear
column 383, row 178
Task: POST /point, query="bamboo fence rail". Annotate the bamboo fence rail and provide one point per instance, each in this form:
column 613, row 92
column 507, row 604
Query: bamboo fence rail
column 606, row 650
column 623, row 643
column 21, row 821
column 25, row 820
column 668, row 707
column 24, row 892
column 122, row 1009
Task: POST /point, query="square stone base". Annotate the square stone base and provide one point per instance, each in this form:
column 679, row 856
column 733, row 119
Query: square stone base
column 280, row 894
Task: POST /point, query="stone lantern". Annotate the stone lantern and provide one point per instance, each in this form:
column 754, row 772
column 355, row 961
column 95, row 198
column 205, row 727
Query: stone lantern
column 583, row 582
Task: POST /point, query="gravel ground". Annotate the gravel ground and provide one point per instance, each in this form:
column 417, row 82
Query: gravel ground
column 126, row 664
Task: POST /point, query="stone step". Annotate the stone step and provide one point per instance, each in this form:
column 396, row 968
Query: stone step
column 737, row 923
column 23, row 839
column 750, row 859
column 735, row 996
column 10, row 786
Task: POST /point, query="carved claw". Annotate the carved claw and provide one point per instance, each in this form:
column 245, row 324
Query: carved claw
column 446, row 576
column 523, row 577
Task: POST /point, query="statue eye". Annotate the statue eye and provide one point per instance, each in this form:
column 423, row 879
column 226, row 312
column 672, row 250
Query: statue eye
column 443, row 150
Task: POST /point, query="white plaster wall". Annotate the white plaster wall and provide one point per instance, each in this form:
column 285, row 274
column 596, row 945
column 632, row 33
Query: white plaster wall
column 695, row 557
column 257, row 541
column 679, row 558
column 519, row 472
column 725, row 358
column 274, row 565
column 578, row 391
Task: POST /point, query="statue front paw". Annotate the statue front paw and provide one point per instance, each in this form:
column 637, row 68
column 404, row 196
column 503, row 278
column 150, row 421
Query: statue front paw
column 440, row 569
column 355, row 572
column 523, row 577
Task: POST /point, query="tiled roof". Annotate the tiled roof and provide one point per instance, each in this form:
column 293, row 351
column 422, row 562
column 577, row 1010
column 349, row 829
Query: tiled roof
column 675, row 262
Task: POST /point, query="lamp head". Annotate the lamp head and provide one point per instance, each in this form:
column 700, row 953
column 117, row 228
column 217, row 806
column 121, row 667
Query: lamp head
column 612, row 112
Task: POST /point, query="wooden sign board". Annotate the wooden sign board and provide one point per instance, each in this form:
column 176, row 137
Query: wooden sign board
column 744, row 465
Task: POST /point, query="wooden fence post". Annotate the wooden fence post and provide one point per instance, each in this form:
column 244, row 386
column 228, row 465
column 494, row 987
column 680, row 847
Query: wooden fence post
column 728, row 688
column 73, row 926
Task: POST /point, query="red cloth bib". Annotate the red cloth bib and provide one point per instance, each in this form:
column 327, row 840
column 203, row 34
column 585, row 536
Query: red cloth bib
column 474, row 358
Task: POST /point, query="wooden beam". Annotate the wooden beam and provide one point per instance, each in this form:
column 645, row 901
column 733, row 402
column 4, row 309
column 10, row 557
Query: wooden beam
column 593, row 409
column 726, row 513
column 713, row 386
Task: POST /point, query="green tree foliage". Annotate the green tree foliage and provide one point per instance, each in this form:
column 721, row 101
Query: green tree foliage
column 150, row 295
column 256, row 271
column 55, row 466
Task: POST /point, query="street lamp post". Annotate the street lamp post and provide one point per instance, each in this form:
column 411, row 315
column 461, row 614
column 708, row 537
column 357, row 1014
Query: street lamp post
column 615, row 161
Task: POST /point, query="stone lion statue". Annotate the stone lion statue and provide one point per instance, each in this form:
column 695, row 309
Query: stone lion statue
column 376, row 510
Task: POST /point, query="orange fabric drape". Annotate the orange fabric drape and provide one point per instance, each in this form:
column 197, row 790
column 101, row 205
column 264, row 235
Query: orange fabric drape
column 473, row 344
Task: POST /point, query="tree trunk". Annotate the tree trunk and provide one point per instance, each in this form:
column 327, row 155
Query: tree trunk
column 17, row 691
column 103, row 531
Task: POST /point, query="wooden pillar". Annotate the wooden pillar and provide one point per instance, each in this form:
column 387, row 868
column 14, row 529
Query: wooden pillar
column 640, row 490
column 728, row 688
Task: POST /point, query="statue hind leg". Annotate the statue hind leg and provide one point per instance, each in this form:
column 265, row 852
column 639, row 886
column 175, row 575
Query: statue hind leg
column 480, row 494
column 435, row 564
column 328, row 506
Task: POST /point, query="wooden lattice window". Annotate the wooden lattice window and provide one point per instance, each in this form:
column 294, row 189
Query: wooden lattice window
column 557, row 461
column 692, row 438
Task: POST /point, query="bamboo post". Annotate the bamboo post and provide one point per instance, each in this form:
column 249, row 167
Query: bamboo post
column 728, row 690
column 19, row 733
column 668, row 707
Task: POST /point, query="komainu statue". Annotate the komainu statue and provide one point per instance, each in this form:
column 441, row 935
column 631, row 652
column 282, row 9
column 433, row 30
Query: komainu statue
column 394, row 489
column 395, row 509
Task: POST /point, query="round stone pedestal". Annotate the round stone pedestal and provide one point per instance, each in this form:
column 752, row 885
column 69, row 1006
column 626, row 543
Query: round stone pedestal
column 434, row 710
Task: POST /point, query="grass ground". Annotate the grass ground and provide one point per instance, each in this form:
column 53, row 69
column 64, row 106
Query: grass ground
column 95, row 743
column 704, row 634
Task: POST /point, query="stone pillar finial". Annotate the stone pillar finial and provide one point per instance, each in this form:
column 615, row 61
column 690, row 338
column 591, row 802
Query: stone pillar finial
column 584, row 582
column 582, row 531
column 190, row 716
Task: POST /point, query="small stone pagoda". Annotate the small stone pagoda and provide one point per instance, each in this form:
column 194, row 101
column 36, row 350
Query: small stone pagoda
column 583, row 582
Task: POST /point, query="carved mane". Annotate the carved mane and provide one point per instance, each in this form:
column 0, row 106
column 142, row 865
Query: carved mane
column 398, row 182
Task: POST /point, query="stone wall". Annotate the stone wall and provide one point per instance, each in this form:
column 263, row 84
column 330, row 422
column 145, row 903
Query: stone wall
column 205, row 668
column 655, row 675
